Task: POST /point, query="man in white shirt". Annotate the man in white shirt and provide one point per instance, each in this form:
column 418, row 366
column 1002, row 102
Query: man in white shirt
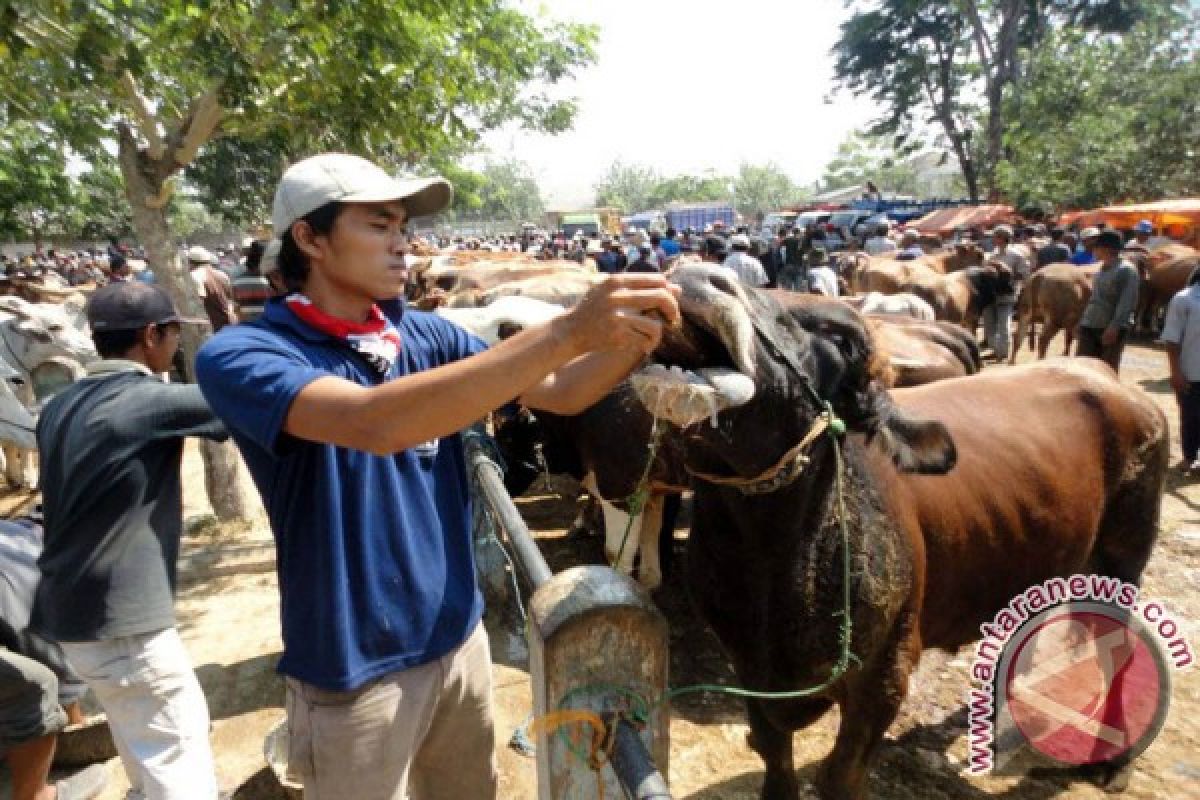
column 748, row 268
column 821, row 277
column 879, row 244
column 1181, row 333
column 997, row 317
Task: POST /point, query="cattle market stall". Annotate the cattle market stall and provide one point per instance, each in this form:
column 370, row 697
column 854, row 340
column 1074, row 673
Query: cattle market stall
column 946, row 221
column 598, row 661
column 1178, row 218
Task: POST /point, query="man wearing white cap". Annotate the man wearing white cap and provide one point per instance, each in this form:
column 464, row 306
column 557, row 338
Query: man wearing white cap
column 347, row 408
column 748, row 268
column 997, row 316
column 213, row 286
column 1083, row 250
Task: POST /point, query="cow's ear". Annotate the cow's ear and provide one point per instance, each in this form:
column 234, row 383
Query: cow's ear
column 923, row 446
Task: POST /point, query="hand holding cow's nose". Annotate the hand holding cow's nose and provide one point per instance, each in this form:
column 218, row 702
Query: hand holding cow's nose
column 625, row 312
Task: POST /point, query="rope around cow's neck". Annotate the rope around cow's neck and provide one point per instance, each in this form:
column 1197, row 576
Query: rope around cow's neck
column 846, row 629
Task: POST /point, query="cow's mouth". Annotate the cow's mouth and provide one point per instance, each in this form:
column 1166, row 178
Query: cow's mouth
column 708, row 365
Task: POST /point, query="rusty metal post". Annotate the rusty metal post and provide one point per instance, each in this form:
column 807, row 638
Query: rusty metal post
column 597, row 642
column 590, row 629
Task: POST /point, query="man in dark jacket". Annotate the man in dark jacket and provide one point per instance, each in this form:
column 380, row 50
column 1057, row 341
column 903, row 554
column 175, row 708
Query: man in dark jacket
column 108, row 567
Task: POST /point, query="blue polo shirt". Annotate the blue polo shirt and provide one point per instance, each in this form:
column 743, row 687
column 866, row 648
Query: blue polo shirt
column 376, row 569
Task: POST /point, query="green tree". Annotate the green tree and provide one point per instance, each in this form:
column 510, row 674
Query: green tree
column 951, row 65
column 509, row 192
column 758, row 189
column 629, row 187
column 708, row 187
column 100, row 198
column 35, row 192
column 404, row 83
column 862, row 158
column 1107, row 121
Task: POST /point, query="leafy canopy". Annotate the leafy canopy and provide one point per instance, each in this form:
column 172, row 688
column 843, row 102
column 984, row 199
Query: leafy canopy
column 405, row 83
column 1107, row 121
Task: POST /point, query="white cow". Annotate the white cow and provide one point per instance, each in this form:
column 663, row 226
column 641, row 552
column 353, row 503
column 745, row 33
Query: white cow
column 45, row 345
column 16, row 427
column 31, row 333
column 506, row 314
column 906, row 304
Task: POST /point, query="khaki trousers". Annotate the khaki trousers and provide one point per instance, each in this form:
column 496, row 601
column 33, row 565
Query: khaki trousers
column 424, row 733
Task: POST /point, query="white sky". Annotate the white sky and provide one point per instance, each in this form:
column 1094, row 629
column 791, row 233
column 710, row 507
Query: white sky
column 686, row 86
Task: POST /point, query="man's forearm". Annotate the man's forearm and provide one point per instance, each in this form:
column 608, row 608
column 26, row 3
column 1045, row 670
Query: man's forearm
column 427, row 405
column 583, row 382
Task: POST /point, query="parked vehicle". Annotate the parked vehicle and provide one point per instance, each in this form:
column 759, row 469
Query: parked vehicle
column 776, row 220
column 698, row 216
column 650, row 221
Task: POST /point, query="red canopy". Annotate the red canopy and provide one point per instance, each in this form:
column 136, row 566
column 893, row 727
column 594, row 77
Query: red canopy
column 945, row 221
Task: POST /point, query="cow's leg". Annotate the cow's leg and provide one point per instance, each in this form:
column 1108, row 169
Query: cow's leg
column 774, row 746
column 871, row 702
column 1049, row 331
column 666, row 537
column 650, row 571
column 621, row 536
column 14, row 466
column 1023, row 322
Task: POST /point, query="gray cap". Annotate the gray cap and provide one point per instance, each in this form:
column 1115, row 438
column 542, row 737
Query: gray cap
column 132, row 305
column 339, row 177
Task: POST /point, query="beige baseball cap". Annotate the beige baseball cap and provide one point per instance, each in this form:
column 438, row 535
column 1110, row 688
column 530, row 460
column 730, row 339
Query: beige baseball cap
column 340, row 177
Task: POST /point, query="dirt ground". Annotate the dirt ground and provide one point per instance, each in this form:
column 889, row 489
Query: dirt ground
column 228, row 615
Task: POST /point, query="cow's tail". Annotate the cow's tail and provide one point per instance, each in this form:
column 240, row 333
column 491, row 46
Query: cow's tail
column 1129, row 527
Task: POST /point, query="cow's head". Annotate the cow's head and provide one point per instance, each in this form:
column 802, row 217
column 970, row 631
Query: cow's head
column 721, row 378
column 35, row 332
column 966, row 254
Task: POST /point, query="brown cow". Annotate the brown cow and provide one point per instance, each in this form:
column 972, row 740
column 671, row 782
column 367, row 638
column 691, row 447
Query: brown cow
column 1165, row 271
column 949, row 514
column 962, row 256
column 483, row 276
column 888, row 276
column 960, row 297
column 1056, row 295
column 921, row 352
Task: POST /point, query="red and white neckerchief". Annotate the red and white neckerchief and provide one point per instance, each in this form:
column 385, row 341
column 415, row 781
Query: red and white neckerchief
column 377, row 340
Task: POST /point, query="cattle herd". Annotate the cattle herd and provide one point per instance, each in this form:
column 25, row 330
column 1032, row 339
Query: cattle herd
column 963, row 486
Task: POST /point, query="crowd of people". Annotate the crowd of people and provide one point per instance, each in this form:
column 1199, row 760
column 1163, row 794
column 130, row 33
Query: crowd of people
column 347, row 408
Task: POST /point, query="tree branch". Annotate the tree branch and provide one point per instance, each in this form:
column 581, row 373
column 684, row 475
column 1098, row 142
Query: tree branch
column 143, row 116
column 196, row 128
column 983, row 42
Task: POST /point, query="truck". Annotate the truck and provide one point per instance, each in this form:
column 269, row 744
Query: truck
column 698, row 216
column 589, row 220
column 650, row 221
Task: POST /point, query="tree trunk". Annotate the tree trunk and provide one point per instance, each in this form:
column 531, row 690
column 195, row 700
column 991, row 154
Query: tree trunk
column 144, row 183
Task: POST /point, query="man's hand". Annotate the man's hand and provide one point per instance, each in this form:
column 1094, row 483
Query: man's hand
column 623, row 312
column 1109, row 337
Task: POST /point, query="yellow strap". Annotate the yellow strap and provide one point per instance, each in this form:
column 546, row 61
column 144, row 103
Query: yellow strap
column 553, row 720
column 820, row 424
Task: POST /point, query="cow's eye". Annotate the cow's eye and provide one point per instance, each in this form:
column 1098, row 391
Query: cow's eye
column 55, row 327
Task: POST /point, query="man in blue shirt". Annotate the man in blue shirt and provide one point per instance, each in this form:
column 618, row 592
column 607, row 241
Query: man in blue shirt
column 347, row 407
